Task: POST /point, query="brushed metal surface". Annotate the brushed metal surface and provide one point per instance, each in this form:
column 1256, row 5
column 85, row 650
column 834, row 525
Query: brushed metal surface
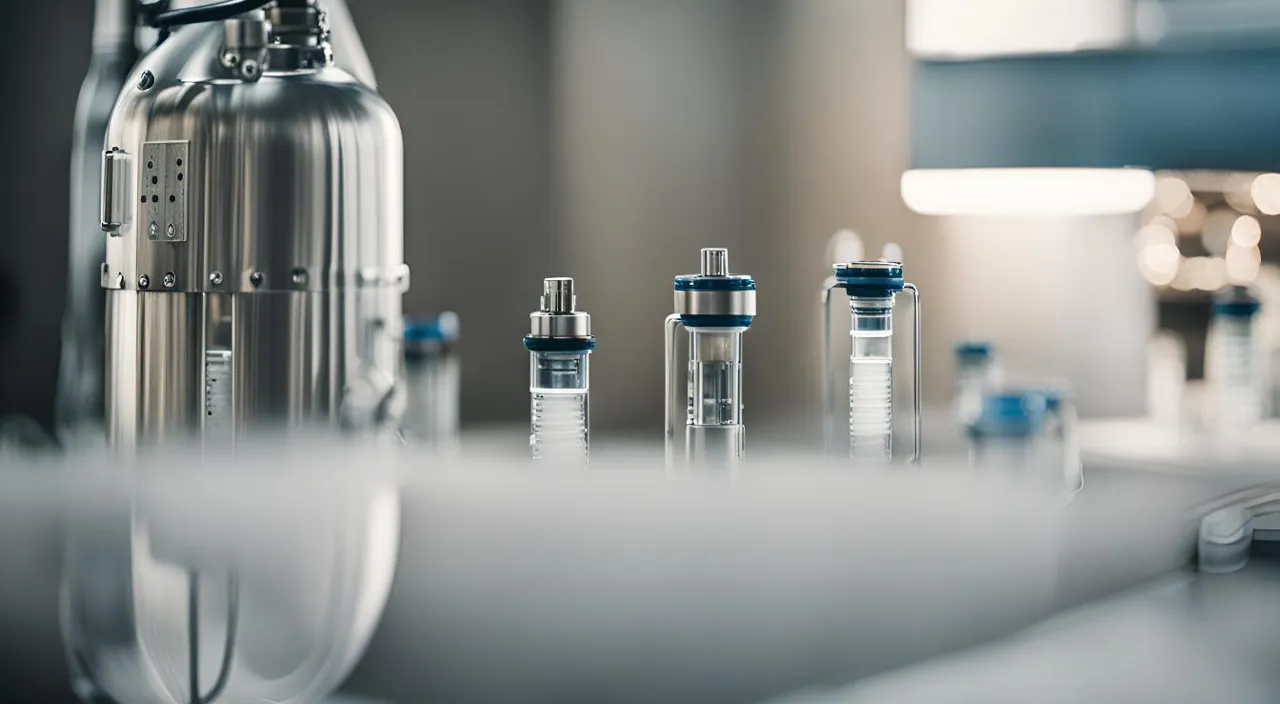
column 715, row 302
column 286, row 262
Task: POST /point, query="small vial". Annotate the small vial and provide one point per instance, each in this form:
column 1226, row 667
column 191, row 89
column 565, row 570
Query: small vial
column 716, row 308
column 432, row 381
column 1060, row 436
column 1008, row 439
column 1234, row 360
column 976, row 374
column 560, row 345
column 872, row 288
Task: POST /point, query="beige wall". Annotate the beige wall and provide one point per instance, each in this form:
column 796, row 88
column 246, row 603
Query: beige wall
column 765, row 127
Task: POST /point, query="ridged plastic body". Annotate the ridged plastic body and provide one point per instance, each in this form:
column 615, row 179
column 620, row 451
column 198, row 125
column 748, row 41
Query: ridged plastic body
column 1237, row 372
column 871, row 379
column 559, row 411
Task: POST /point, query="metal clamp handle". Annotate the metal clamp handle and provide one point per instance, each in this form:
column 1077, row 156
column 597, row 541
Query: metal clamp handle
column 828, row 379
column 916, row 435
column 672, row 389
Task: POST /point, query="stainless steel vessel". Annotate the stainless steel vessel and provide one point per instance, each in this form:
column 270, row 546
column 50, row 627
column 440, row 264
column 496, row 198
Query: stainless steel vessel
column 252, row 193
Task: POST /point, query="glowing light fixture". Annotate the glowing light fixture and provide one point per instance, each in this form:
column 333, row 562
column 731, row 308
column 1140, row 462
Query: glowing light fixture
column 1029, row 191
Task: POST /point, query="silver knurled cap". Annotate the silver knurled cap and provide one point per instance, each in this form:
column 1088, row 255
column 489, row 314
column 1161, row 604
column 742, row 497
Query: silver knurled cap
column 558, row 314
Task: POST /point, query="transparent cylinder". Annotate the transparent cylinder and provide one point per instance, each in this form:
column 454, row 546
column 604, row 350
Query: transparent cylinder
column 1237, row 370
column 871, row 379
column 976, row 373
column 714, row 432
column 559, row 412
column 1022, row 458
column 433, row 385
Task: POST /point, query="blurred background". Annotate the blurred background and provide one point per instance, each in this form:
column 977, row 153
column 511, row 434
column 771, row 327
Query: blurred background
column 609, row 140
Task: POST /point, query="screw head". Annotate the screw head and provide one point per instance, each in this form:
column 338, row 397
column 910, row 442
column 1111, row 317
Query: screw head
column 216, row 278
column 170, row 280
column 147, row 80
column 299, row 276
column 153, row 229
column 249, row 69
column 144, row 281
column 171, row 231
column 256, row 278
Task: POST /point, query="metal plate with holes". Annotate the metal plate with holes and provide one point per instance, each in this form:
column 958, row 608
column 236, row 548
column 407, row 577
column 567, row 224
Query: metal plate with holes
column 162, row 189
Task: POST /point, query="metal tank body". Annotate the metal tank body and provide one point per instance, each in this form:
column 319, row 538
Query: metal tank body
column 253, row 198
column 115, row 51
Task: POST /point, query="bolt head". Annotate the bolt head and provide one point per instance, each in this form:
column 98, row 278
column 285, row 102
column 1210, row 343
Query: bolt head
column 216, row 278
column 256, row 278
column 171, row 231
column 153, row 229
column 170, row 280
column 144, row 281
column 299, row 276
column 147, row 80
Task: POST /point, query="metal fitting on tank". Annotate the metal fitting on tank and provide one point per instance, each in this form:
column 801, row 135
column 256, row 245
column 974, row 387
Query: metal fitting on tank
column 244, row 45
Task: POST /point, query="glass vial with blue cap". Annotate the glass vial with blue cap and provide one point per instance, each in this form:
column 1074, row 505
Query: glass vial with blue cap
column 560, row 345
column 976, row 374
column 432, row 373
column 872, row 288
column 1061, row 435
column 1007, row 439
column 715, row 307
column 1234, row 359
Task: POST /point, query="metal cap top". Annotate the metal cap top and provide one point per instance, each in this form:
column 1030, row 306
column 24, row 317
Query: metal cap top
column 714, row 275
column 1236, row 302
column 558, row 316
column 870, row 278
column 558, row 296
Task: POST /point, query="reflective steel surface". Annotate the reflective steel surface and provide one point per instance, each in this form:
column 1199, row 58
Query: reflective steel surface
column 292, row 264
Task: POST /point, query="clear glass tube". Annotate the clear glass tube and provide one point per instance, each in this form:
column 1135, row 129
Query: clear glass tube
column 871, row 379
column 1237, row 371
column 976, row 373
column 559, row 412
column 433, row 384
column 715, row 377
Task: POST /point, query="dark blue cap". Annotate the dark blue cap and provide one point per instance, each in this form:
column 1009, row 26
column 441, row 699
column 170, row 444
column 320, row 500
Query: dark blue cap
column 559, row 344
column 716, row 321
column 701, row 282
column 1011, row 414
column 1236, row 302
column 974, row 349
column 871, row 279
column 432, row 328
